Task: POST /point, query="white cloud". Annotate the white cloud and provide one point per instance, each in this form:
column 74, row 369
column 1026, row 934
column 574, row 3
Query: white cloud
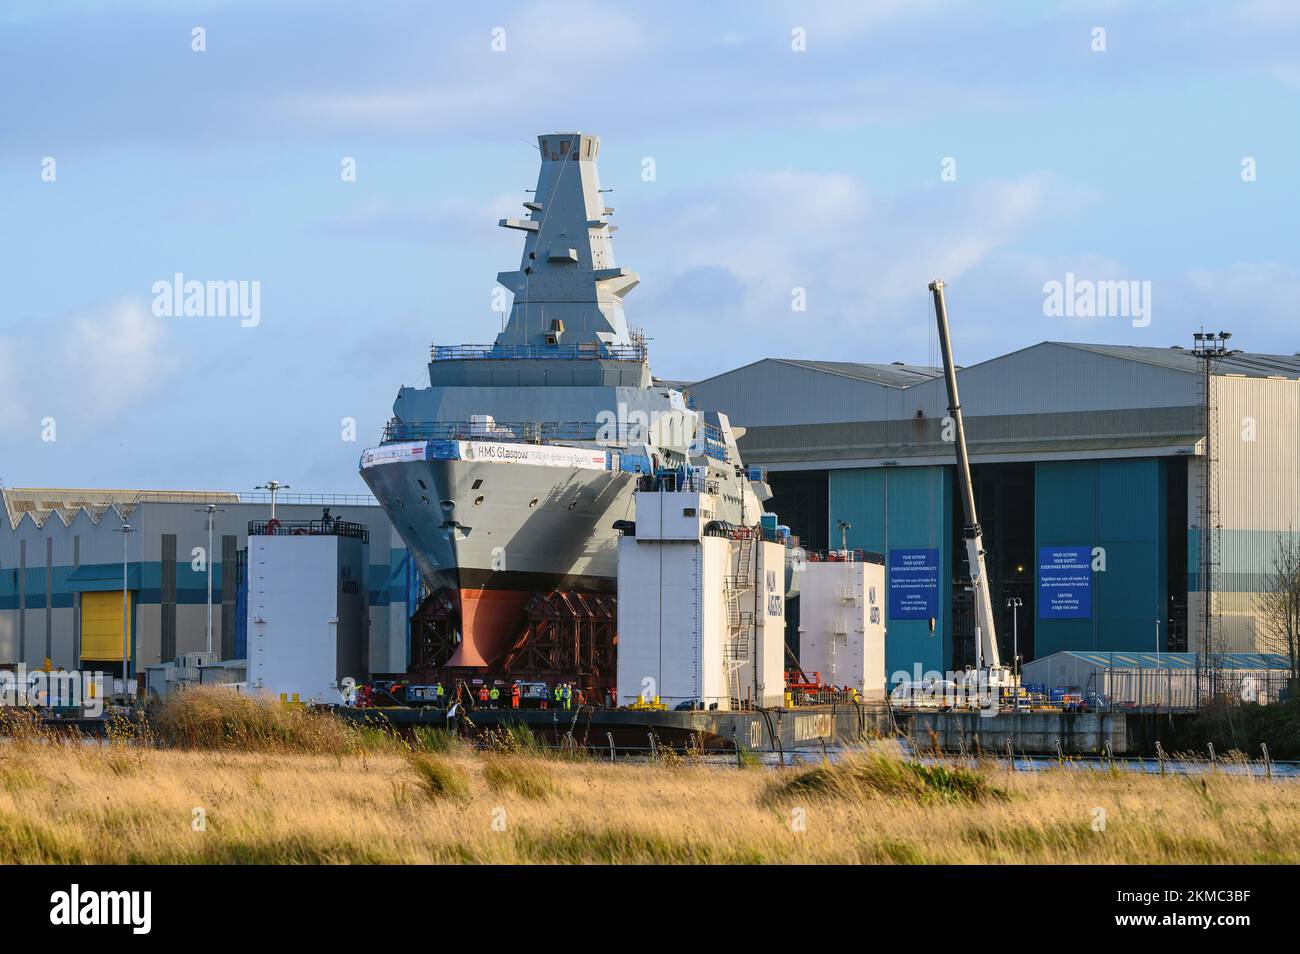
column 89, row 365
column 1269, row 13
column 719, row 266
column 841, row 22
column 545, row 53
column 117, row 354
column 662, row 69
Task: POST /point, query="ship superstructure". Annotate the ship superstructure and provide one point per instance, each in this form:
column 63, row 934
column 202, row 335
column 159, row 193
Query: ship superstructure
column 506, row 476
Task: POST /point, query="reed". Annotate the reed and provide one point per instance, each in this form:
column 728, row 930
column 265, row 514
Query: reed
column 334, row 803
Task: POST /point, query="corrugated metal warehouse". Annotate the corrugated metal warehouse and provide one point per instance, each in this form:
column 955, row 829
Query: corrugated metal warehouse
column 1089, row 470
column 1174, row 680
column 61, row 574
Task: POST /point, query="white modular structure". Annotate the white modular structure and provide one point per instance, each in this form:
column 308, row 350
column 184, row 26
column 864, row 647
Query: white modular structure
column 842, row 623
column 307, row 614
column 760, row 675
column 701, row 610
column 672, row 622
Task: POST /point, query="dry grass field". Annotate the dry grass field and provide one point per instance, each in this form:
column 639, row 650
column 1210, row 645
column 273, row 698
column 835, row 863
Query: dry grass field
column 216, row 782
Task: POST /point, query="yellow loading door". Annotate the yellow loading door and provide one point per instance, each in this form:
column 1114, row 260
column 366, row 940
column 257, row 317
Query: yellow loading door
column 101, row 625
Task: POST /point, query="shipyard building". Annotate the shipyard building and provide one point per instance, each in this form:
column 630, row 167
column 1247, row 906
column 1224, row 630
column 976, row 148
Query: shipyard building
column 1091, row 464
column 62, row 573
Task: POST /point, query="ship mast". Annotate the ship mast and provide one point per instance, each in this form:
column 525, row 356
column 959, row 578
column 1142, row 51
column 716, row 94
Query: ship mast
column 986, row 639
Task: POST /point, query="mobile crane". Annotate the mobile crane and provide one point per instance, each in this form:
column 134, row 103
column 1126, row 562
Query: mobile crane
column 989, row 671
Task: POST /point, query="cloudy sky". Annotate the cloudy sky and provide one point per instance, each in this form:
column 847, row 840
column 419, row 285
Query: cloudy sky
column 794, row 146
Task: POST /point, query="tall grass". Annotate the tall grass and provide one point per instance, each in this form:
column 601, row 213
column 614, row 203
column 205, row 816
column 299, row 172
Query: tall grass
column 118, row 804
column 529, row 778
column 879, row 775
column 280, row 784
column 210, row 717
column 513, row 737
column 439, row 777
column 427, row 738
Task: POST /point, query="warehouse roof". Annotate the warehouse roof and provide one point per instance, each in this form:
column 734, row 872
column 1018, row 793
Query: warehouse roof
column 1229, row 661
column 901, row 375
column 1182, row 359
column 40, row 502
column 894, row 375
column 897, row 374
column 1025, row 387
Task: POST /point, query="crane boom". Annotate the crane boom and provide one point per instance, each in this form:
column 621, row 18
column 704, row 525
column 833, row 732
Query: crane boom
column 986, row 637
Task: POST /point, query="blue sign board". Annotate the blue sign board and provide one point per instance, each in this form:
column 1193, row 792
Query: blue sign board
column 1064, row 582
column 914, row 583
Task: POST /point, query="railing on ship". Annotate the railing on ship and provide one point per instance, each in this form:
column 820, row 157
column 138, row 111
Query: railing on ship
column 225, row 497
column 843, row 556
column 590, row 351
column 342, row 500
column 309, row 528
column 529, row 432
column 670, row 481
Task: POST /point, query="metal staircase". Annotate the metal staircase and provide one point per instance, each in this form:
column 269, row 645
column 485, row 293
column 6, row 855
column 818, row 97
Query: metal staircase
column 740, row 621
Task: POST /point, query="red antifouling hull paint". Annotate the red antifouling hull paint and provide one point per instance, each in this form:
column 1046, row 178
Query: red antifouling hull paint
column 489, row 622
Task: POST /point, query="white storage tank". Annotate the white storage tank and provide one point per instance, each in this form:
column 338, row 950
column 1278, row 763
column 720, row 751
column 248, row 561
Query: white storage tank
column 842, row 621
column 701, row 610
column 308, row 615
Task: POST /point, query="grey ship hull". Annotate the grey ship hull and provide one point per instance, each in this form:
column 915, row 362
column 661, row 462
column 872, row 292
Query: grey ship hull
column 567, row 534
column 490, row 557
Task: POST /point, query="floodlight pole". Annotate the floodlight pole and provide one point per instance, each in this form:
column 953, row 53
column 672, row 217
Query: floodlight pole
column 126, row 531
column 1015, row 603
column 212, row 510
column 274, row 486
column 1209, row 348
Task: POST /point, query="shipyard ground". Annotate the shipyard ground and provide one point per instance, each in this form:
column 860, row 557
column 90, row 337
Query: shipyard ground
column 817, row 728
column 811, row 727
column 132, row 804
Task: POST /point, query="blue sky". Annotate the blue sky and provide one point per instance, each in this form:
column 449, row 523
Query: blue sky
column 775, row 169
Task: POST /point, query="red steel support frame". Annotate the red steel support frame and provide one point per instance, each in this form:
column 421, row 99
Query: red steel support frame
column 566, row 637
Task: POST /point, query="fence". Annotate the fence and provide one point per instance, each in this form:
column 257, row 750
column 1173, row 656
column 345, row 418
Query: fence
column 525, row 352
column 532, row 432
column 338, row 500
column 308, row 528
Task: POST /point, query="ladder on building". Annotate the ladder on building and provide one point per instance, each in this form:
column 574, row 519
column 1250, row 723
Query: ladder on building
column 739, row 581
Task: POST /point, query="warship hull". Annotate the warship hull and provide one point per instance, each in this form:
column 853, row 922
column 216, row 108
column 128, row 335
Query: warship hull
column 491, row 534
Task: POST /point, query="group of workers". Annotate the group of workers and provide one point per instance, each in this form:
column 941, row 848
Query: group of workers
column 492, row 696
